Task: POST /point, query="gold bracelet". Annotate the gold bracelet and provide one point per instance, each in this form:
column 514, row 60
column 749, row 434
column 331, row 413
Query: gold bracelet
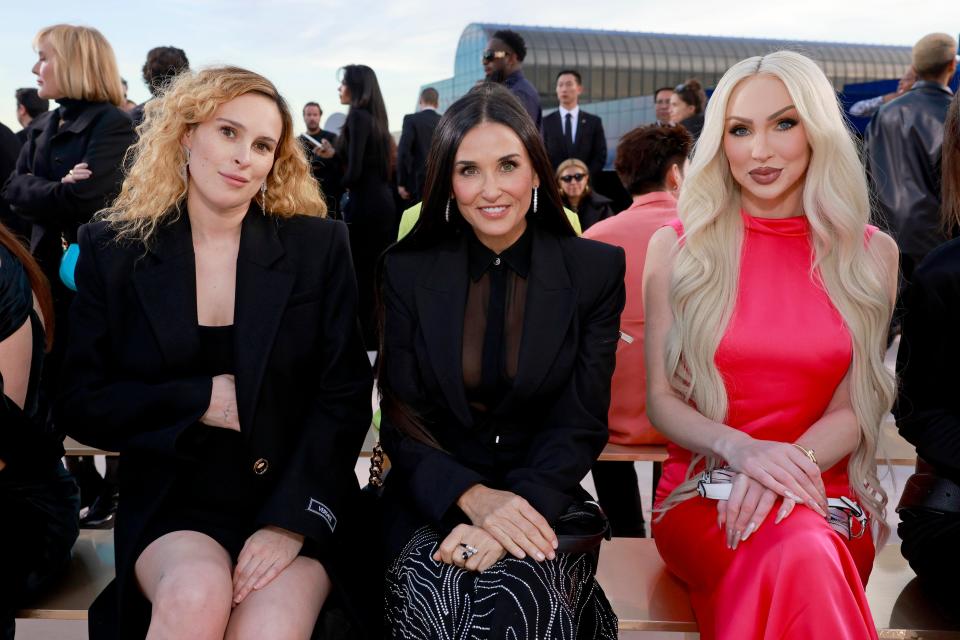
column 807, row 452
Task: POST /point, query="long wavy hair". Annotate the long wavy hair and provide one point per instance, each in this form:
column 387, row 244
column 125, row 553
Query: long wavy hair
column 703, row 287
column 487, row 102
column 156, row 183
column 86, row 66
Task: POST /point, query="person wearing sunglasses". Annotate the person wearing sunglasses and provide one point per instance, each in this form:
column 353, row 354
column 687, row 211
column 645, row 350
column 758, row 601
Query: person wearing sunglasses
column 574, row 181
column 503, row 64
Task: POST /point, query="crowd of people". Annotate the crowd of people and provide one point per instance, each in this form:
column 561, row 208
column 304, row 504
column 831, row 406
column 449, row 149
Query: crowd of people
column 190, row 284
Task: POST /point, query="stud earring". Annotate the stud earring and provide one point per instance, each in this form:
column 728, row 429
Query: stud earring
column 446, row 213
column 534, row 199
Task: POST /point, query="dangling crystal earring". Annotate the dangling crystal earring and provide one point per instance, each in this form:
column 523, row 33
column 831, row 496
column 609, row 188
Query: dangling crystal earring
column 184, row 168
column 263, row 196
column 446, row 213
column 534, row 199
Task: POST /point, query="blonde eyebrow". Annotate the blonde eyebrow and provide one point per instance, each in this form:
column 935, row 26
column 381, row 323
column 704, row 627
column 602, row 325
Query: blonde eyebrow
column 772, row 116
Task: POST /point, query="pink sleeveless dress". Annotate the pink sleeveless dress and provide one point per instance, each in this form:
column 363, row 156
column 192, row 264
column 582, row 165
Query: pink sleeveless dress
column 782, row 357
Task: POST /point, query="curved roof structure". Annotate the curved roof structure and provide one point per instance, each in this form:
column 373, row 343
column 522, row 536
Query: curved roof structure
column 622, row 64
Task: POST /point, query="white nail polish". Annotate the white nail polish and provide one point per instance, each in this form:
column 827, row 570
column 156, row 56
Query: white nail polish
column 750, row 529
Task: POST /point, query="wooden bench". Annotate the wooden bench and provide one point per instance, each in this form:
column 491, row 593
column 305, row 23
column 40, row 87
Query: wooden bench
column 646, row 597
column 90, row 570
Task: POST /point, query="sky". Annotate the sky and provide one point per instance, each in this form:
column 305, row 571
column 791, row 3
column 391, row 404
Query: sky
column 300, row 44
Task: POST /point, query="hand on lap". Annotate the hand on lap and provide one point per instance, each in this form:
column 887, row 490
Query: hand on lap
column 470, row 548
column 265, row 554
column 516, row 525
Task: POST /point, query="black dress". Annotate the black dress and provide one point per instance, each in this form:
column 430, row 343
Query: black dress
column 369, row 210
column 557, row 598
column 39, row 500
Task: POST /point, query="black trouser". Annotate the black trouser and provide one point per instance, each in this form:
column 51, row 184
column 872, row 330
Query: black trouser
column 38, row 531
column 931, row 543
column 618, row 493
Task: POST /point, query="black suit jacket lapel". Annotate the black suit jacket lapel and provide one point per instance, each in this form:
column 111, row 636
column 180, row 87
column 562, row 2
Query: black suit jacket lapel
column 264, row 283
column 441, row 298
column 551, row 302
column 165, row 282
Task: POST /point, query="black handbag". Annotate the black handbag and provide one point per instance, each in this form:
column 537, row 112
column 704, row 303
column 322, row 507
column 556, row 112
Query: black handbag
column 582, row 528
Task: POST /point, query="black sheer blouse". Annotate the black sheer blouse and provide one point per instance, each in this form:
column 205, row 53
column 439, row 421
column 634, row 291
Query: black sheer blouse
column 493, row 320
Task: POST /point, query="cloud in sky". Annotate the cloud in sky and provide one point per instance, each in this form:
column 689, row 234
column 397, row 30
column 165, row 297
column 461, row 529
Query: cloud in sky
column 300, row 44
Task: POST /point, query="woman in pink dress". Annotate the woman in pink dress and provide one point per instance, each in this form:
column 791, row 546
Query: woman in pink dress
column 767, row 309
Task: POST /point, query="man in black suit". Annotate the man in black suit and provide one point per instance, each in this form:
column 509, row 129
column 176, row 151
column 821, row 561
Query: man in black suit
column 570, row 132
column 315, row 141
column 414, row 146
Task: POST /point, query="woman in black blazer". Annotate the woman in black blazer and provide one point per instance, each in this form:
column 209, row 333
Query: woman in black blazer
column 365, row 151
column 215, row 346
column 500, row 331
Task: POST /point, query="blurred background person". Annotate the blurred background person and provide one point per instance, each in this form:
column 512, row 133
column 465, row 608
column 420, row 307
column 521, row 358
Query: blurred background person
column 687, row 106
column 571, row 132
column 503, row 64
column 649, row 163
column 163, row 65
column 29, row 106
column 68, row 169
column 128, row 104
column 928, row 408
column 414, row 147
column 866, row 108
column 574, row 181
column 365, row 152
column 324, row 169
column 661, row 104
column 39, row 500
column 903, row 145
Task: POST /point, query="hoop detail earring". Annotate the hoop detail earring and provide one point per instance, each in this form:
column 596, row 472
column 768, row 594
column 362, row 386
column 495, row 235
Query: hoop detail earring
column 446, row 212
column 263, row 196
column 534, row 199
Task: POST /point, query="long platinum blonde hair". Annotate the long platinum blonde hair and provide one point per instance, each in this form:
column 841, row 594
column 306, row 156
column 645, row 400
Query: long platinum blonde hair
column 703, row 287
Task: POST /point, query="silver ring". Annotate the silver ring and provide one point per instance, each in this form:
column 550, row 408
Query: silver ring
column 469, row 551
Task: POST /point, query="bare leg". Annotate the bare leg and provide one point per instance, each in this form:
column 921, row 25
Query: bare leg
column 287, row 608
column 186, row 575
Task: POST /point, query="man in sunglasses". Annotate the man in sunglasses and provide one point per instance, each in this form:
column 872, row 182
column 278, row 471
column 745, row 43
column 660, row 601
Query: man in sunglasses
column 503, row 63
column 570, row 132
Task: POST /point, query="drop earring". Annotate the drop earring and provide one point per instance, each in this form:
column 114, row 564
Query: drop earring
column 184, row 168
column 534, row 199
column 446, row 213
column 263, row 196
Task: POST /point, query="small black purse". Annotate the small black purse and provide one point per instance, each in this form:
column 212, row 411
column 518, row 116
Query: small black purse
column 582, row 528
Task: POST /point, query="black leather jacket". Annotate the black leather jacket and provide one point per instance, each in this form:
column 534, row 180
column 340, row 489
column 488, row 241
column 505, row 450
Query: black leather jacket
column 904, row 142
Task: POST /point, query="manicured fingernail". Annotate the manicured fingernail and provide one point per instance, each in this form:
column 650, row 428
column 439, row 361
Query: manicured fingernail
column 792, row 496
column 736, row 541
column 746, row 534
column 780, row 516
column 556, row 543
column 540, row 556
column 551, row 555
column 817, row 508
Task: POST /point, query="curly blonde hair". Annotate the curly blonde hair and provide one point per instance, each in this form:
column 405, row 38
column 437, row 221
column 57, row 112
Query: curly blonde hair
column 156, row 182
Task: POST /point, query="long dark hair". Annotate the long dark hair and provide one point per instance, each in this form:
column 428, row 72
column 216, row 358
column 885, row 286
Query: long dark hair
column 950, row 180
column 487, row 102
column 38, row 281
column 365, row 94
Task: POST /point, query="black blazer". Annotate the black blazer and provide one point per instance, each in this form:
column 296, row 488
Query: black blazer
column 99, row 135
column 303, row 378
column 590, row 145
column 543, row 438
column 413, row 150
column 928, row 406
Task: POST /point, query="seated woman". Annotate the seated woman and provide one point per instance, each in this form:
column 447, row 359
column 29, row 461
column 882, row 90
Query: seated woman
column 928, row 409
column 575, row 193
column 500, row 332
column 770, row 299
column 39, row 500
column 216, row 347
